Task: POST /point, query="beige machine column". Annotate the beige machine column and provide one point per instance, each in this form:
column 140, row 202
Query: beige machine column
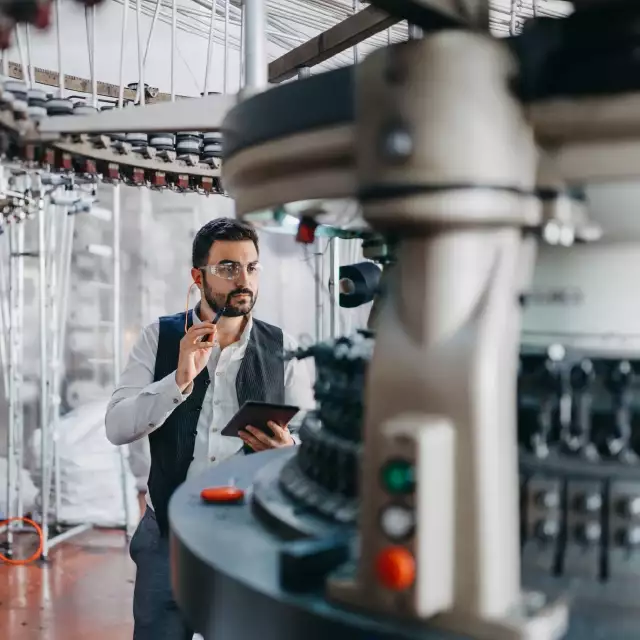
column 446, row 158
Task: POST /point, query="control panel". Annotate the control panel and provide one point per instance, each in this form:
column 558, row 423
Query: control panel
column 414, row 564
column 578, row 423
column 579, row 406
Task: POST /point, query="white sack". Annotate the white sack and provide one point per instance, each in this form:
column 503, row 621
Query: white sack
column 90, row 474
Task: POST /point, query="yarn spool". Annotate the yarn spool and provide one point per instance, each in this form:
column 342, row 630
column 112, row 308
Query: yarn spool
column 358, row 284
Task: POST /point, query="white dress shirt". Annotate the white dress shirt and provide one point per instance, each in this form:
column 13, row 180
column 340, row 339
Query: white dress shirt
column 139, row 405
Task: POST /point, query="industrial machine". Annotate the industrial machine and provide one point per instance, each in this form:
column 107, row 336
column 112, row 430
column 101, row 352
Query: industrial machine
column 450, row 484
column 408, row 511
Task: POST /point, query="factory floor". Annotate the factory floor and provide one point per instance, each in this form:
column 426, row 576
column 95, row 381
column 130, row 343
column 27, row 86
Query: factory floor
column 83, row 593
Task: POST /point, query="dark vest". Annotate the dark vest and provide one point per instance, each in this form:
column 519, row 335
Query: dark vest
column 260, row 378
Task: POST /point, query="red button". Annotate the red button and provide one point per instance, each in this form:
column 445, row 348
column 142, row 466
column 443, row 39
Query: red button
column 219, row 495
column 396, row 568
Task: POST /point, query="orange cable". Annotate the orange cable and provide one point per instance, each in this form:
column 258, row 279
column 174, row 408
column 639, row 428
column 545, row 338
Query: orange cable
column 38, row 552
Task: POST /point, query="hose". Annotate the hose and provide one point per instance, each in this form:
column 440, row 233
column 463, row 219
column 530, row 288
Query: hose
column 38, row 551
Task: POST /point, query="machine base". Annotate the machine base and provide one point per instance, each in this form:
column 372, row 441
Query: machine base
column 226, row 579
column 536, row 619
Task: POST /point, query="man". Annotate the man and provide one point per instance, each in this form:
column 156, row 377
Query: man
column 181, row 388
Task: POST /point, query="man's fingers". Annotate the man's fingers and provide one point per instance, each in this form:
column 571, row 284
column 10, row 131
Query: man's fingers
column 258, row 435
column 201, row 329
column 255, row 444
column 197, row 334
column 280, row 432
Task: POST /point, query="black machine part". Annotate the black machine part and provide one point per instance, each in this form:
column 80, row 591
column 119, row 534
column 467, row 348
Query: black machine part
column 358, row 284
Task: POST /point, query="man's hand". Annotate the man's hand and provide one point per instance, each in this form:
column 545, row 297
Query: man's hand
column 194, row 354
column 259, row 441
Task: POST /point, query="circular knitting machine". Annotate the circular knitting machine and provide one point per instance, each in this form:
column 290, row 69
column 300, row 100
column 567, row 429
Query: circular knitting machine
column 349, row 536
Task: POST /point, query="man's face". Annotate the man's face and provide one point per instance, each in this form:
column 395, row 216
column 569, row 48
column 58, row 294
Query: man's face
column 236, row 274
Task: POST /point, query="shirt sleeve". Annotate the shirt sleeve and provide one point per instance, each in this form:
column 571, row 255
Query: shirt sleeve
column 298, row 390
column 139, row 405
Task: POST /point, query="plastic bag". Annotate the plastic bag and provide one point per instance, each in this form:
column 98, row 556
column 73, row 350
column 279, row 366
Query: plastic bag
column 91, row 477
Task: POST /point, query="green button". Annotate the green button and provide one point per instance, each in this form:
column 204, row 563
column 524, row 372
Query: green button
column 398, row 476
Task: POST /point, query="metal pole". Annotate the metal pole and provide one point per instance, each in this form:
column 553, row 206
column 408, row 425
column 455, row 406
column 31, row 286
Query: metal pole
column 174, row 29
column 117, row 346
column 94, row 77
column 59, row 47
column 5, row 323
column 241, row 7
column 141, row 91
column 255, row 46
column 212, row 31
column 64, row 268
column 318, row 268
column 305, row 72
column 44, row 448
column 154, row 20
column 12, row 400
column 19, row 370
column 66, row 275
column 123, row 36
column 26, row 69
column 27, row 37
column 226, row 47
column 334, row 286
column 56, row 259
column 513, row 26
column 356, row 52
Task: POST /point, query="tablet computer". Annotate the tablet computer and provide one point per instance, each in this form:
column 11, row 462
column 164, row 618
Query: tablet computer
column 257, row 414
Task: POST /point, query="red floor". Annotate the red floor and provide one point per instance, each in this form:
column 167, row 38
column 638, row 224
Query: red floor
column 85, row 592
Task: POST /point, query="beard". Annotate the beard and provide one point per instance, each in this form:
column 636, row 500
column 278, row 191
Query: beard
column 232, row 309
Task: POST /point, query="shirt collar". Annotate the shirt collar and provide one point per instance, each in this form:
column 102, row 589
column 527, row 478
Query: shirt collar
column 244, row 338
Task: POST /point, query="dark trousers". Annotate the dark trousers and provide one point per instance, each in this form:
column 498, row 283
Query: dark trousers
column 155, row 612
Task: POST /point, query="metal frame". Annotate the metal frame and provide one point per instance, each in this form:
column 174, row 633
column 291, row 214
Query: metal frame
column 55, row 233
column 117, row 337
column 206, row 114
column 329, row 43
column 202, row 114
